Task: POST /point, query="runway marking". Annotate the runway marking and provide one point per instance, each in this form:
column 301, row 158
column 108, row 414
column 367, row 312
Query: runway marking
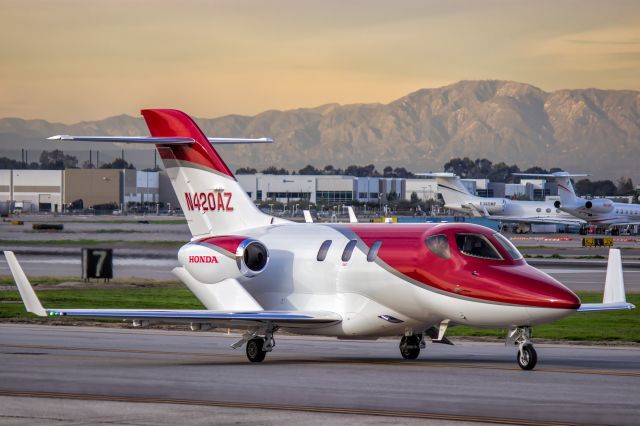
column 283, row 407
column 399, row 363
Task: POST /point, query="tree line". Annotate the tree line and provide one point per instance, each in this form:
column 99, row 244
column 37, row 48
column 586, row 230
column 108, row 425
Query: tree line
column 463, row 167
column 58, row 160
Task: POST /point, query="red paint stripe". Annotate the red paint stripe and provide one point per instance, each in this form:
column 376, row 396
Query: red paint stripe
column 170, row 122
column 229, row 243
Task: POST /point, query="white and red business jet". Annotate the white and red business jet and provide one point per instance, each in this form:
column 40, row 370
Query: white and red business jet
column 263, row 274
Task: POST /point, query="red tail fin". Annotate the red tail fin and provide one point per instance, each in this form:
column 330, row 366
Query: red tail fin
column 171, row 122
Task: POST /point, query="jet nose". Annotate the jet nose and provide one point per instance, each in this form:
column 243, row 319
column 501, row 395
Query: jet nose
column 553, row 294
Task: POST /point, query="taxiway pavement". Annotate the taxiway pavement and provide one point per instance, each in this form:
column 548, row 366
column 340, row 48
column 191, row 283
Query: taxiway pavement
column 325, row 377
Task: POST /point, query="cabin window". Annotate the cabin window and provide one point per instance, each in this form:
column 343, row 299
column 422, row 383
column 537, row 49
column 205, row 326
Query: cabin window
column 508, row 246
column 439, row 245
column 538, row 209
column 324, row 249
column 548, row 210
column 348, row 250
column 373, row 251
column 477, row 246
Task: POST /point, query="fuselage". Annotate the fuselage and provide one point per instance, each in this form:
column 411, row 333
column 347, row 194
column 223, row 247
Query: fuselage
column 609, row 213
column 393, row 280
column 505, row 208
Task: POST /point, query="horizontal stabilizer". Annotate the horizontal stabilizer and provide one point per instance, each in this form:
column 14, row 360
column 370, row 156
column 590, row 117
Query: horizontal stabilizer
column 156, row 140
column 614, row 295
column 123, row 139
column 437, row 174
column 552, row 175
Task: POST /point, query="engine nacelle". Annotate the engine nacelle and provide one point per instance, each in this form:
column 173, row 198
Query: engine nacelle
column 599, row 205
column 214, row 259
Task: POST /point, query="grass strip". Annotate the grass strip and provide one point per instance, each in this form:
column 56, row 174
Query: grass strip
column 621, row 326
column 83, row 242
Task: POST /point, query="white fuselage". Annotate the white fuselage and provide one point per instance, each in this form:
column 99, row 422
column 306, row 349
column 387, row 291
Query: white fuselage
column 361, row 291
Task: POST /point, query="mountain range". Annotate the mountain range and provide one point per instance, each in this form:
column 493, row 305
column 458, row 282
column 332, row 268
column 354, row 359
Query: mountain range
column 585, row 130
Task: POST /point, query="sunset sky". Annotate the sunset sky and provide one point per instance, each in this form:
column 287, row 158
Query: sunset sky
column 83, row 60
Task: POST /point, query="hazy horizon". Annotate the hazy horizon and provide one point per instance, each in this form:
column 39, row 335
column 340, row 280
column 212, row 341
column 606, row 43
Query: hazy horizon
column 72, row 60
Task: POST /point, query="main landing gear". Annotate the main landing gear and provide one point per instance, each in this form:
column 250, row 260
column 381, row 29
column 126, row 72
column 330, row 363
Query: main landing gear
column 527, row 357
column 257, row 346
column 410, row 346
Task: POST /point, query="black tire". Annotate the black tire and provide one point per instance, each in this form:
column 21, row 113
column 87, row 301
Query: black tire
column 527, row 357
column 255, row 353
column 410, row 347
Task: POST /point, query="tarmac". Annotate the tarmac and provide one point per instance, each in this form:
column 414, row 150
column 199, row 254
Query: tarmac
column 81, row 375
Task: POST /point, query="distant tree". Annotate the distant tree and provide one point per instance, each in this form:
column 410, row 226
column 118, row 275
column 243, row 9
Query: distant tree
column 462, row 167
column 329, row 170
column 502, row 173
column 401, row 172
column 118, row 163
column 88, row 165
column 246, row 171
column 361, row 171
column 625, row 186
column 309, row 170
column 9, row 163
column 152, row 169
column 388, row 172
column 57, row 160
column 274, row 171
column 600, row 188
column 483, row 168
column 536, row 170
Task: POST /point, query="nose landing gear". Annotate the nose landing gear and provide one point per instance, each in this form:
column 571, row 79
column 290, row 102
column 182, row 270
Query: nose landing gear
column 527, row 356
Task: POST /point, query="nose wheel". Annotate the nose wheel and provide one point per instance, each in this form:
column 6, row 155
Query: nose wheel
column 527, row 356
column 410, row 346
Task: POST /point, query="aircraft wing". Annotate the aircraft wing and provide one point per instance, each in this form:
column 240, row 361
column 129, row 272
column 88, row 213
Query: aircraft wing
column 290, row 319
column 538, row 219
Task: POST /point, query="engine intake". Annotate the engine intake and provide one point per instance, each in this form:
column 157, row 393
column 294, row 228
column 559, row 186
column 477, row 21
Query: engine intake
column 599, row 205
column 252, row 257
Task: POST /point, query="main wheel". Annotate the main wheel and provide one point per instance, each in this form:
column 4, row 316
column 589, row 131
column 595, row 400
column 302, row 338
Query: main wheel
column 409, row 347
column 255, row 353
column 527, row 357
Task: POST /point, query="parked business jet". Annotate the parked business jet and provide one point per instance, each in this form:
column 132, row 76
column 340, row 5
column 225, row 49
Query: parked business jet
column 457, row 197
column 597, row 211
column 263, row 274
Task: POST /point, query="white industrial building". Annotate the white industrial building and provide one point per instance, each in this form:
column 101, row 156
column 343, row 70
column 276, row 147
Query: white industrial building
column 319, row 189
column 52, row 190
column 32, row 190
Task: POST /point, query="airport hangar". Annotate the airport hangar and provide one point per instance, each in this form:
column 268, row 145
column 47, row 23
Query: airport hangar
column 55, row 190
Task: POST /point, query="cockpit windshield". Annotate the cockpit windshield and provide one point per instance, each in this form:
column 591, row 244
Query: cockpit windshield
column 508, row 246
column 477, row 245
column 439, row 245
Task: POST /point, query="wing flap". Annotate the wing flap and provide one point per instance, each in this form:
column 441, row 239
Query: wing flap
column 283, row 318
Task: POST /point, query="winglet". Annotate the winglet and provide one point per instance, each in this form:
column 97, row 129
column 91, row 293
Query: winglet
column 614, row 283
column 307, row 216
column 614, row 295
column 352, row 216
column 31, row 301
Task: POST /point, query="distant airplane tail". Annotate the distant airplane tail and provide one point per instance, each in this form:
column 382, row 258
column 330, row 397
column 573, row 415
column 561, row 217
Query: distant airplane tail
column 568, row 197
column 454, row 193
